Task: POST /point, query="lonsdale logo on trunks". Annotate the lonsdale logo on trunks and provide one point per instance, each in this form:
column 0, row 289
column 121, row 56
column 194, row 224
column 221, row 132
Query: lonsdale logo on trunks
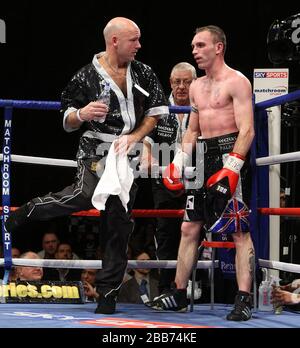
column 42, row 292
column 94, row 166
column 97, row 167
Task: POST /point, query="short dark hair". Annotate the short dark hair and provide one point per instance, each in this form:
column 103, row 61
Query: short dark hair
column 217, row 32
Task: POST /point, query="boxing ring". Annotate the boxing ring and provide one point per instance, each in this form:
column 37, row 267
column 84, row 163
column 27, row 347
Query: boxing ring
column 138, row 316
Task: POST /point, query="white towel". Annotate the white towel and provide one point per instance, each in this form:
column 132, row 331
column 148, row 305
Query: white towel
column 116, row 179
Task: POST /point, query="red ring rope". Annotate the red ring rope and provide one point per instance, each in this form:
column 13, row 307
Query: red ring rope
column 135, row 213
column 280, row 211
column 227, row 245
column 169, row 213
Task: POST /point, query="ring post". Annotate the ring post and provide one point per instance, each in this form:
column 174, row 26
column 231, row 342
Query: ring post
column 274, row 126
column 5, row 169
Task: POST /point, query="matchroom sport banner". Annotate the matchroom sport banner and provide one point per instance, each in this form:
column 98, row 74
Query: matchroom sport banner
column 270, row 83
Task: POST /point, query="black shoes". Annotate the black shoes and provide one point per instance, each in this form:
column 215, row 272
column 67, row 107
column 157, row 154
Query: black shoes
column 172, row 300
column 106, row 305
column 242, row 307
column 17, row 218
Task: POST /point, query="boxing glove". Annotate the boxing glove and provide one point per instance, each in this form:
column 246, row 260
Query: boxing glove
column 172, row 176
column 228, row 176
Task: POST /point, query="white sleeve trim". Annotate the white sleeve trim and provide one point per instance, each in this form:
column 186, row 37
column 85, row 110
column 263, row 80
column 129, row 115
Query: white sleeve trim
column 66, row 114
column 158, row 111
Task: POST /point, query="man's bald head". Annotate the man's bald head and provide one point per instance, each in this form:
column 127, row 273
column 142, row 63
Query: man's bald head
column 117, row 25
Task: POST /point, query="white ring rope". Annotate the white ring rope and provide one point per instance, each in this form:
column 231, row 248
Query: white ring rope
column 262, row 161
column 277, row 159
column 67, row 163
column 41, row 160
column 97, row 264
column 280, row 266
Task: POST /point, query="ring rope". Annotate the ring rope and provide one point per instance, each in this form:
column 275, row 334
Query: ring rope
column 41, row 160
column 277, row 159
column 280, row 211
column 227, row 245
column 97, row 264
column 67, row 163
column 178, row 213
column 54, row 105
column 292, row 96
column 280, row 266
column 50, row 105
column 30, row 104
column 262, row 161
column 138, row 213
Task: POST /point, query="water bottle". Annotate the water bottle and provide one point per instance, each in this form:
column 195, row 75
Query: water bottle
column 264, row 296
column 275, row 282
column 197, row 290
column 104, row 97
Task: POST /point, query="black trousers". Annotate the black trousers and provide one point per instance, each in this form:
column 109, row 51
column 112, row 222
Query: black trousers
column 115, row 223
column 168, row 230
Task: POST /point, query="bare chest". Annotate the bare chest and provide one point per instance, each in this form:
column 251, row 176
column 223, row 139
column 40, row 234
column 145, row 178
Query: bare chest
column 213, row 97
column 120, row 80
column 118, row 75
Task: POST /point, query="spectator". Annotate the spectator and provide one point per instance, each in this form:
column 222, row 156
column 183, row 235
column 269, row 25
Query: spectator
column 131, row 291
column 15, row 253
column 29, row 273
column 49, row 243
column 142, row 236
column 64, row 252
column 88, row 278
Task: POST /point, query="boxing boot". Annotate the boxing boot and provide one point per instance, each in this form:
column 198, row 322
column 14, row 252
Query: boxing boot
column 17, row 218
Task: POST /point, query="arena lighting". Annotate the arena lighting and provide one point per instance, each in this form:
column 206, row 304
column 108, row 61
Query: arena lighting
column 283, row 40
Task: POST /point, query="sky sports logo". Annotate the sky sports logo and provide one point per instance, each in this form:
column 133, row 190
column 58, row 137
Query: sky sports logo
column 271, row 75
column 2, row 31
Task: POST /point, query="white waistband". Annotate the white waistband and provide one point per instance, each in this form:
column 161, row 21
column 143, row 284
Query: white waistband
column 101, row 136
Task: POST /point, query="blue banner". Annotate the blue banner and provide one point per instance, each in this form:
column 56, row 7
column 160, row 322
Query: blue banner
column 5, row 169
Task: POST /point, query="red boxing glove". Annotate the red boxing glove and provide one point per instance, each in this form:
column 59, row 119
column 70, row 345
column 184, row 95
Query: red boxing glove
column 172, row 176
column 231, row 171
